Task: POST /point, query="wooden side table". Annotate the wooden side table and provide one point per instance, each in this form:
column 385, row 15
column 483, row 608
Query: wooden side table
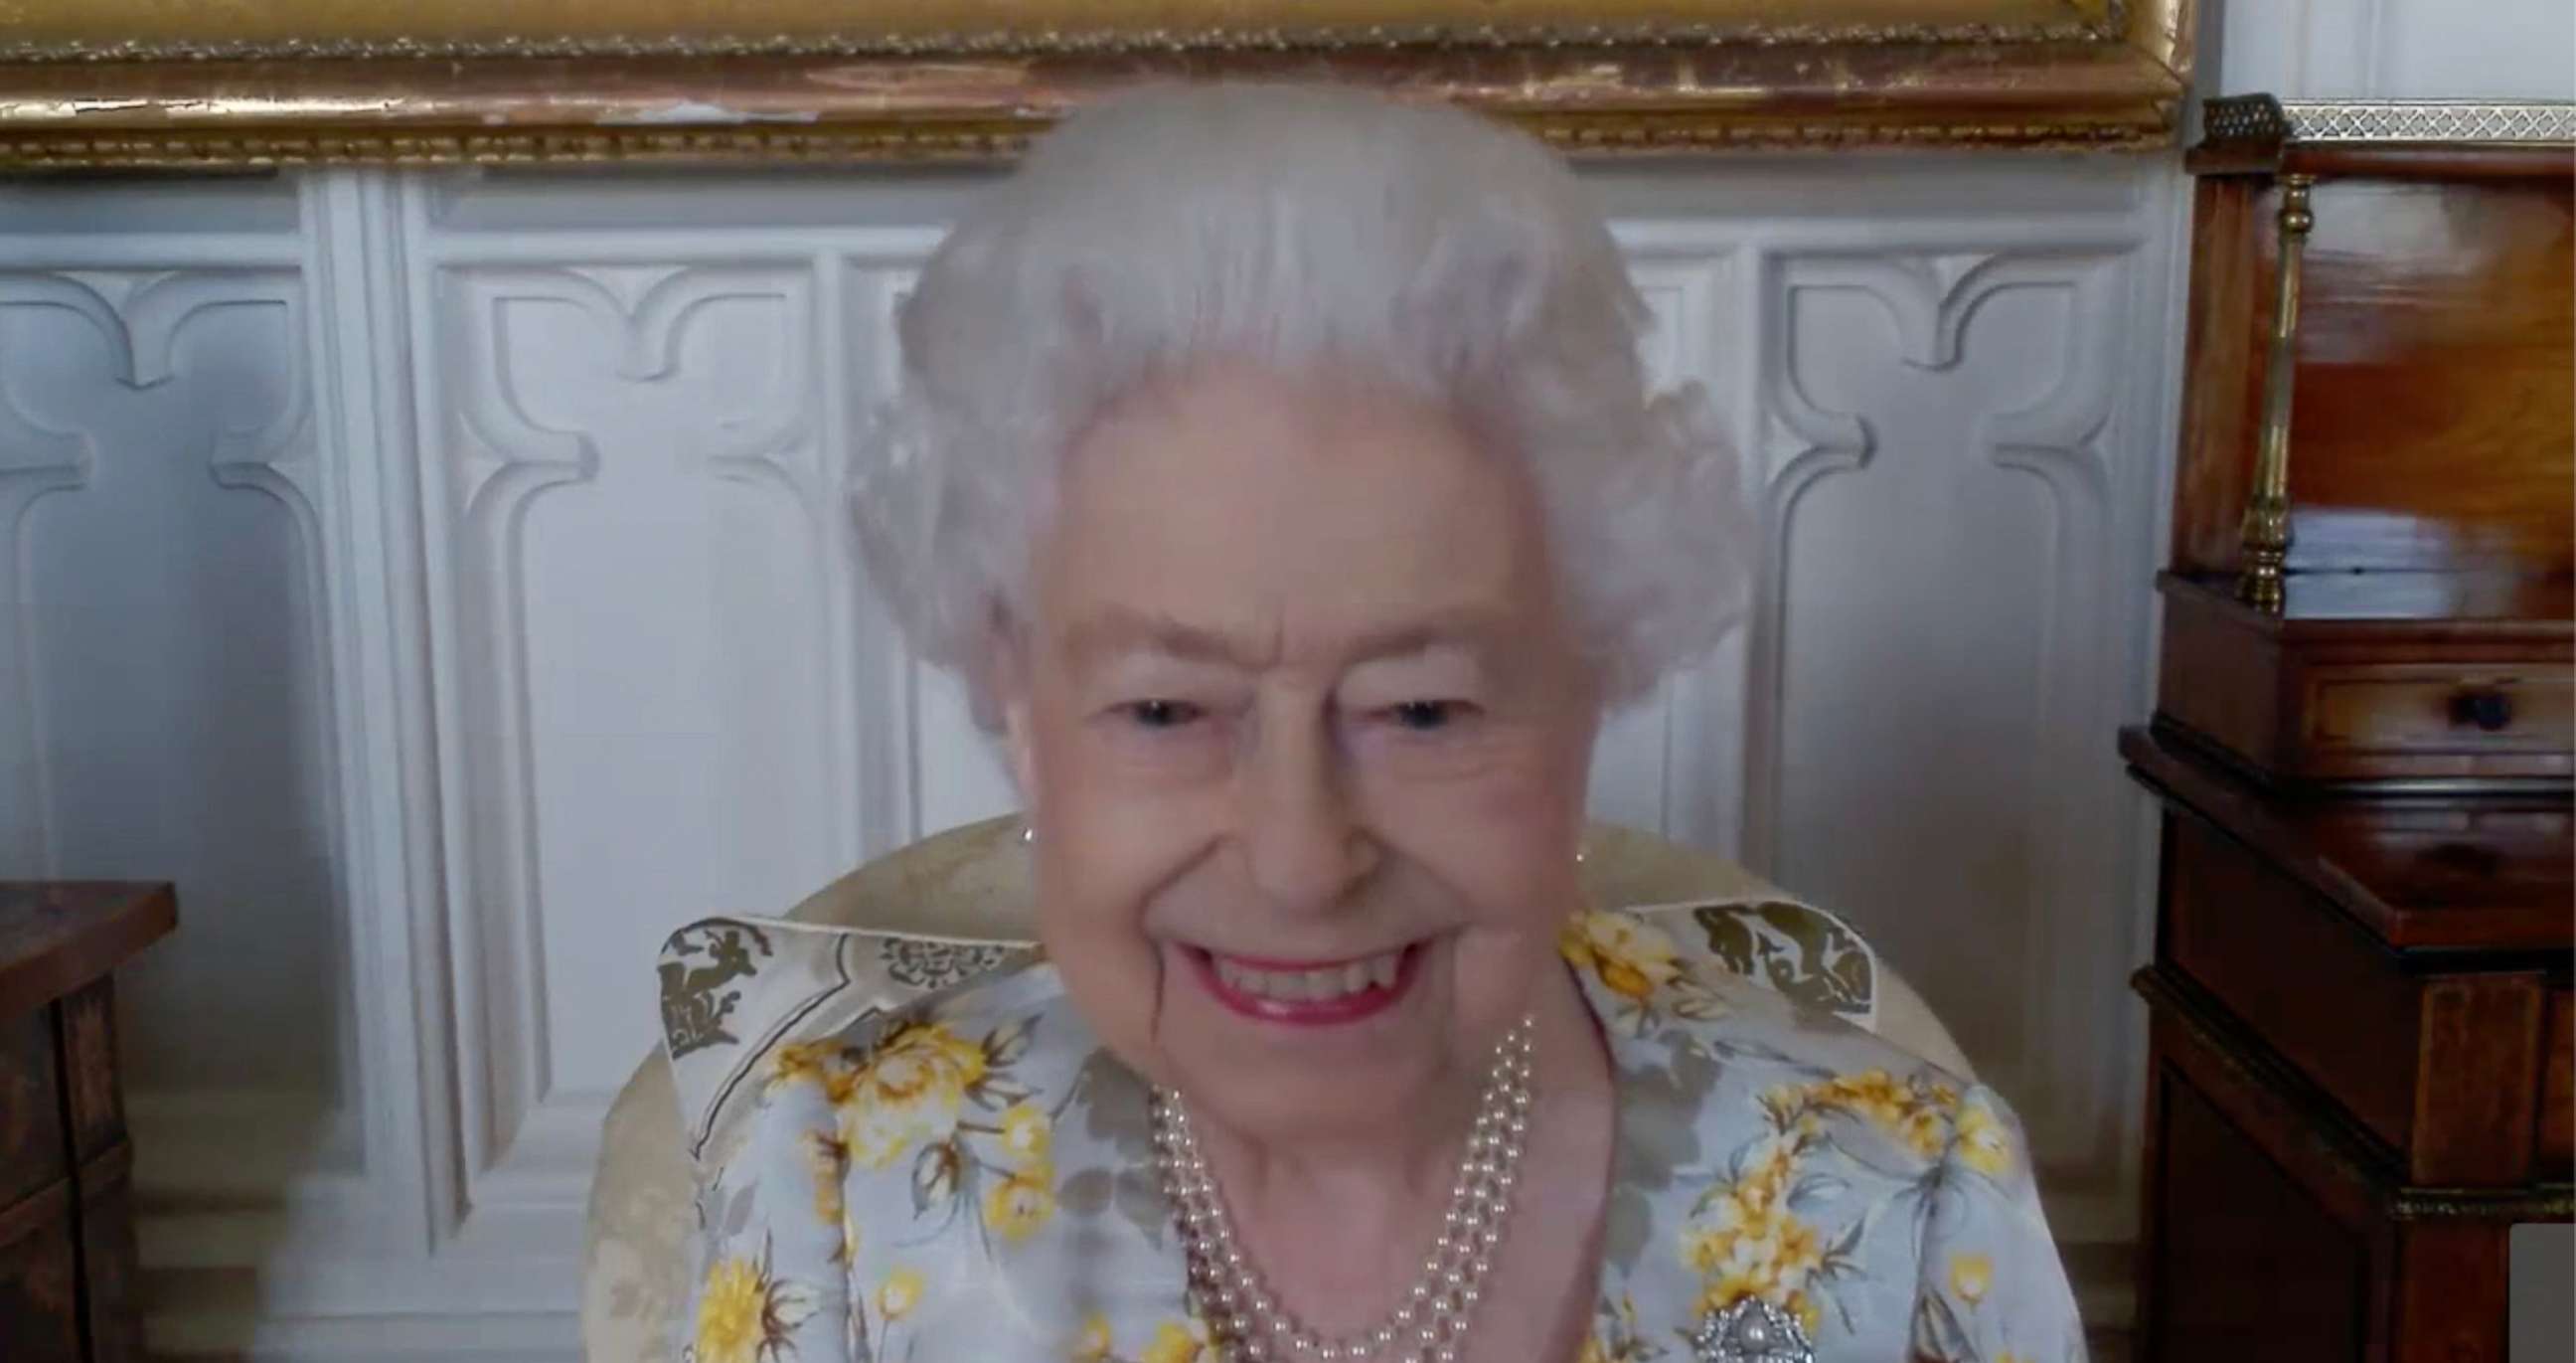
column 67, row 1259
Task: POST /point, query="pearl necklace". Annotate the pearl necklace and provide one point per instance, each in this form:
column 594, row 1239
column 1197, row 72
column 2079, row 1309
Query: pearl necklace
column 1247, row 1322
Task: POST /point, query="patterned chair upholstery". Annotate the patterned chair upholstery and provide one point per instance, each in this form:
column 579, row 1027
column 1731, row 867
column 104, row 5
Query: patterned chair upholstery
column 972, row 883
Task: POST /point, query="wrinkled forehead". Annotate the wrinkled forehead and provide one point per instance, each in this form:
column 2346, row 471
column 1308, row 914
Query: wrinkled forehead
column 1251, row 514
column 1478, row 636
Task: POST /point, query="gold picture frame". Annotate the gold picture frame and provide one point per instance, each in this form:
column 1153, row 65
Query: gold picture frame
column 176, row 84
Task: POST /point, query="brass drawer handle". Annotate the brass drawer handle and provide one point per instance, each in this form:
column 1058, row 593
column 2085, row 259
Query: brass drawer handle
column 2490, row 710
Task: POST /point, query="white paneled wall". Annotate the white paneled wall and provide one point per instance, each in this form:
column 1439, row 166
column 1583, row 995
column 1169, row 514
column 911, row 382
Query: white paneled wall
column 444, row 578
column 2394, row 49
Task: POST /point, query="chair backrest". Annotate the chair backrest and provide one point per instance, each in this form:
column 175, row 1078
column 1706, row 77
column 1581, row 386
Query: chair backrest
column 973, row 882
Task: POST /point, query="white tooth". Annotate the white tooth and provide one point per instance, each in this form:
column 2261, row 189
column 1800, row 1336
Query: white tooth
column 1323, row 984
column 1355, row 977
column 1382, row 968
column 1228, row 973
column 1287, row 986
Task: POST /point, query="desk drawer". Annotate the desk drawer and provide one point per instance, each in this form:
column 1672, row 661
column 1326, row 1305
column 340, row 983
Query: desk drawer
column 2433, row 720
column 2331, row 1002
column 2484, row 703
column 2448, row 1069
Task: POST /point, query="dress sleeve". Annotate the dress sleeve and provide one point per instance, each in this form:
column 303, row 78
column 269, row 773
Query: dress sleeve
column 771, row 1260
column 1991, row 1288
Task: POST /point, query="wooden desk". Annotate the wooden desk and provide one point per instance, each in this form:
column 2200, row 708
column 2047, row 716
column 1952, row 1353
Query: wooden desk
column 66, row 1218
column 2358, row 1065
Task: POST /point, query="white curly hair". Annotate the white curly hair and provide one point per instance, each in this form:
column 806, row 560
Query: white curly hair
column 1293, row 225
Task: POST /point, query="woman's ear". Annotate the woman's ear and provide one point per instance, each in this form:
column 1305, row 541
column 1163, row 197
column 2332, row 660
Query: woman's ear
column 1015, row 746
column 1009, row 674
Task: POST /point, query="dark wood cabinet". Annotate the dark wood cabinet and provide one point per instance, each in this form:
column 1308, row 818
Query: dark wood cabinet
column 67, row 1252
column 2344, row 1130
column 2359, row 1055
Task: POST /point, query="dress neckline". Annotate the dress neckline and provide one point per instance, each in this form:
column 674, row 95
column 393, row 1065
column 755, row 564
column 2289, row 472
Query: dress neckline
column 1629, row 1055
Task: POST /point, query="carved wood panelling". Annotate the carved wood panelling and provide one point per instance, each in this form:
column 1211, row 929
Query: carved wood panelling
column 1934, row 662
column 167, row 692
column 635, row 540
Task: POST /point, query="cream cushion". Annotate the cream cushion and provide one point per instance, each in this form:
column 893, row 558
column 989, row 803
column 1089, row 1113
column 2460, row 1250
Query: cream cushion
column 734, row 989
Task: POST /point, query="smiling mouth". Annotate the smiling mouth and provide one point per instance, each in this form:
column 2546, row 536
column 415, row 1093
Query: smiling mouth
column 1308, row 993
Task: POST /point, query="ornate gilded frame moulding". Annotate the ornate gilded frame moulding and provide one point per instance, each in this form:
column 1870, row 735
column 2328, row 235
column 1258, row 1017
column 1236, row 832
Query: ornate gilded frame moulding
column 175, row 84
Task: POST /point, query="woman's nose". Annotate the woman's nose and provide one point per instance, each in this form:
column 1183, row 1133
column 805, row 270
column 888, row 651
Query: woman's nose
column 1304, row 848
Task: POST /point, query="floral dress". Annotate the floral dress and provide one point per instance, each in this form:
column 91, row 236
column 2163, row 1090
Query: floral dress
column 970, row 1178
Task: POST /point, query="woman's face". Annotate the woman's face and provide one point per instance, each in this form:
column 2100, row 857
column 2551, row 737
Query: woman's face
column 1304, row 731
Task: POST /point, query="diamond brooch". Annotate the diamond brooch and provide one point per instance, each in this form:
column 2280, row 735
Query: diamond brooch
column 1751, row 1331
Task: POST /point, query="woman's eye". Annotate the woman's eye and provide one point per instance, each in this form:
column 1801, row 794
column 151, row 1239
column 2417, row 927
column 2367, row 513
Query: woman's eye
column 1424, row 716
column 1161, row 714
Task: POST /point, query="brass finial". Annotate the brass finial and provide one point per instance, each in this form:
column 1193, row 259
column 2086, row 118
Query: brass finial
column 2267, row 511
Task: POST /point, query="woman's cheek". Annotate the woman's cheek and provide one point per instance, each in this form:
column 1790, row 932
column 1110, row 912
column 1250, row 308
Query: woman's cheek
column 1107, row 847
column 1092, row 929
column 1493, row 791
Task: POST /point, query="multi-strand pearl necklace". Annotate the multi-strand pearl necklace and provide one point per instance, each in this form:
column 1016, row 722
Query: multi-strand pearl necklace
column 1248, row 1323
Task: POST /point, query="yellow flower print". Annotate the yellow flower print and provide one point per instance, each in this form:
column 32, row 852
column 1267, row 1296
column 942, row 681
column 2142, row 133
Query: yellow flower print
column 1025, row 1134
column 1764, row 1257
column 899, row 1294
column 1094, row 1345
column 1593, row 1352
column 1767, row 1175
column 1915, row 1112
column 1747, row 1247
column 907, row 1089
column 1971, row 1277
column 745, row 1315
column 1984, row 1144
column 921, row 1063
column 1177, row 1343
column 828, row 1161
column 1743, row 1240
column 802, row 1062
column 1919, row 1129
column 729, row 1312
column 1800, row 1251
column 875, row 1138
column 1632, row 957
column 1018, row 1205
column 1748, row 1216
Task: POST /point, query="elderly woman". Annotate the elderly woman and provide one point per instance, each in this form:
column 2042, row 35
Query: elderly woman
column 1278, row 469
